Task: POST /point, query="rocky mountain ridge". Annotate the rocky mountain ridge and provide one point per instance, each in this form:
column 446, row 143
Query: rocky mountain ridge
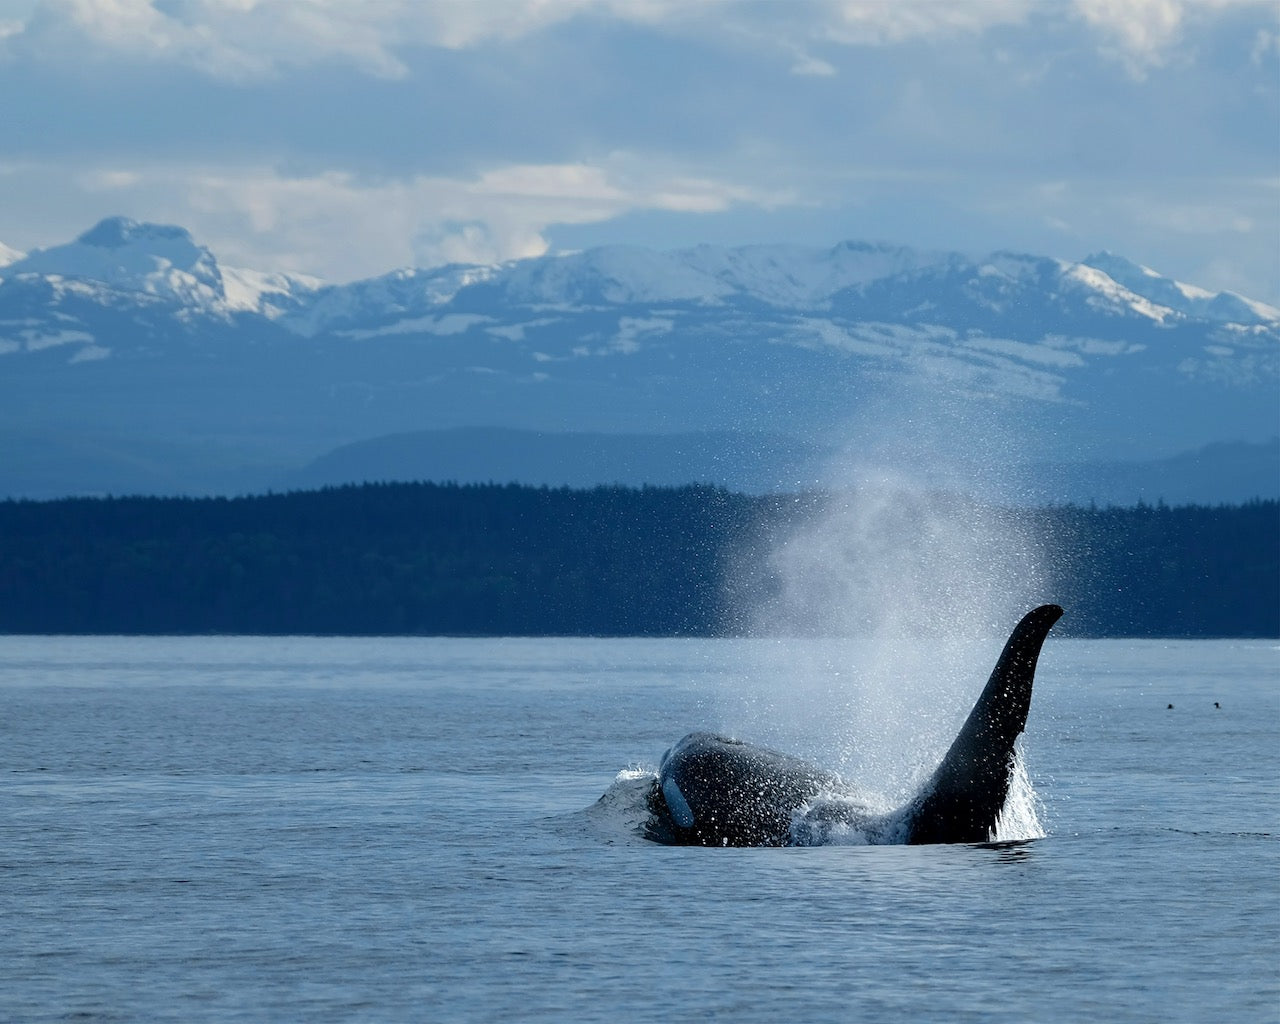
column 135, row 335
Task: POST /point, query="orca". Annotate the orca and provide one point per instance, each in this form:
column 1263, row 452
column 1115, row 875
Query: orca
column 712, row 790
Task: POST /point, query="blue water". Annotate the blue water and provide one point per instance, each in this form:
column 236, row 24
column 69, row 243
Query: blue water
column 249, row 829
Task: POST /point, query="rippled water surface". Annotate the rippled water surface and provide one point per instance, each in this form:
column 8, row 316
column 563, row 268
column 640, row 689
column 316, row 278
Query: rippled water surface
column 249, row 829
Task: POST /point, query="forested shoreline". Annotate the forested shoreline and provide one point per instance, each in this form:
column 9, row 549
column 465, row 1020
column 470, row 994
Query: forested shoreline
column 445, row 559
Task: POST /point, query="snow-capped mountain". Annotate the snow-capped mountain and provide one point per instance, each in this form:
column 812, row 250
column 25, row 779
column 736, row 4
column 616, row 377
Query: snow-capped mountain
column 156, row 261
column 131, row 345
column 1224, row 307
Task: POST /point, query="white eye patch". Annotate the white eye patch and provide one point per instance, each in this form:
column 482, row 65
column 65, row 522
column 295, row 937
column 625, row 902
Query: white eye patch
column 676, row 803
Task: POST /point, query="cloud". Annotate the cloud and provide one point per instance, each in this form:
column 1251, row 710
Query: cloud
column 238, row 40
column 874, row 22
column 1139, row 33
column 1142, row 34
column 340, row 226
column 1265, row 44
column 343, row 137
column 242, row 40
column 806, row 64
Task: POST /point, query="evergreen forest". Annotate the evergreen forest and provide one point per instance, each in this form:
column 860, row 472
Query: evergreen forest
column 485, row 560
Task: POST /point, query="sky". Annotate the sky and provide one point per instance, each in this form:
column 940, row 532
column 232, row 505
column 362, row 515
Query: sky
column 346, row 138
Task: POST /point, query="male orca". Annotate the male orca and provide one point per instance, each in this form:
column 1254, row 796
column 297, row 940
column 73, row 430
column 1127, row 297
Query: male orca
column 715, row 791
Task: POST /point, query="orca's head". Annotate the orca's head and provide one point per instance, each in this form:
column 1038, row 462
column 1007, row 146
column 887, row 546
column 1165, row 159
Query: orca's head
column 716, row 791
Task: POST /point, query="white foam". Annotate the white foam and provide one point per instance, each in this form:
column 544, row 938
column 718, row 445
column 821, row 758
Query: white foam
column 1020, row 818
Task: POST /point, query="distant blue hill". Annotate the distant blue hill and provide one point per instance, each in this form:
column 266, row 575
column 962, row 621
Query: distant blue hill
column 755, row 463
column 41, row 467
column 760, row 463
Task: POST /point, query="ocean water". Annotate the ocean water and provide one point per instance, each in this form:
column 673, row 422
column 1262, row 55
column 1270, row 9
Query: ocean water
column 309, row 829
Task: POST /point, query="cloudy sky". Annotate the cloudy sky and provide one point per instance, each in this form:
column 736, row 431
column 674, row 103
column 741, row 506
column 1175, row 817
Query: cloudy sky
column 344, row 138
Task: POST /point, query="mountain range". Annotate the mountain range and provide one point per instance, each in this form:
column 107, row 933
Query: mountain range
column 131, row 360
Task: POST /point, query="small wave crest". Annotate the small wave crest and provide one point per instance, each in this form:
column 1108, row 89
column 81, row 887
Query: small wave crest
column 622, row 812
column 842, row 819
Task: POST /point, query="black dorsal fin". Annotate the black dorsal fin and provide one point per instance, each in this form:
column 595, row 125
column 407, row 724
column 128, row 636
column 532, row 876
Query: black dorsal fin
column 962, row 800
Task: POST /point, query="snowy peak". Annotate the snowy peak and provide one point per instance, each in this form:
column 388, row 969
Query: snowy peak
column 792, row 277
column 799, row 277
column 154, row 259
column 783, row 276
column 272, row 295
column 401, row 293
column 121, row 261
column 613, row 276
column 1224, row 307
column 125, row 233
column 162, row 261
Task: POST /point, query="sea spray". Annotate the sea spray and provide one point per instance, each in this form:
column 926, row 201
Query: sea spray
column 888, row 611
column 1020, row 818
column 891, row 592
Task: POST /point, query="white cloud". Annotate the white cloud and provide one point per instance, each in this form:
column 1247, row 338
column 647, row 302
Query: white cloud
column 1265, row 44
column 806, row 64
column 339, row 226
column 247, row 39
column 231, row 39
column 1143, row 33
column 863, row 22
column 1195, row 218
column 107, row 179
column 1138, row 32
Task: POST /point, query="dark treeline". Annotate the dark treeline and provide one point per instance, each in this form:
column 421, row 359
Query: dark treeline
column 511, row 560
column 1156, row 571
